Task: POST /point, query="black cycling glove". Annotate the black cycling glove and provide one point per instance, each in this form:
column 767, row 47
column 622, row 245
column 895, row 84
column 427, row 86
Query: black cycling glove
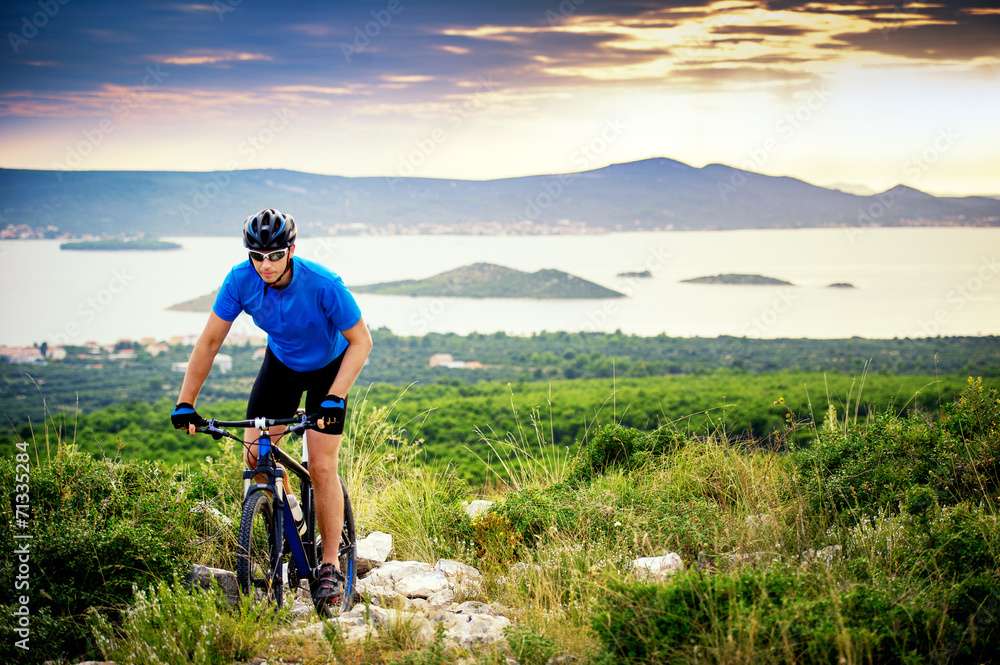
column 333, row 411
column 184, row 414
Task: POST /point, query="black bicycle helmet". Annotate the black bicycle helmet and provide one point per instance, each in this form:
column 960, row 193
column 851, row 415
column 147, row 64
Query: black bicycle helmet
column 269, row 229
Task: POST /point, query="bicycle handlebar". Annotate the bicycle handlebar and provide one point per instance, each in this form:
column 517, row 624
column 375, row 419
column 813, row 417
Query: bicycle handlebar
column 298, row 423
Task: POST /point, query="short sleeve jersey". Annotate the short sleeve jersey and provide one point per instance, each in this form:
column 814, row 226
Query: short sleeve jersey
column 303, row 320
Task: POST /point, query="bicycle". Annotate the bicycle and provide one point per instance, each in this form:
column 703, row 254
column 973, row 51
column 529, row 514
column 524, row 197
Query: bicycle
column 267, row 524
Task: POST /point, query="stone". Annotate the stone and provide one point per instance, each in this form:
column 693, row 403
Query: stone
column 471, row 607
column 375, row 547
column 422, row 585
column 382, row 581
column 442, row 598
column 477, row 507
column 658, row 567
column 460, row 575
column 468, row 630
column 205, row 576
column 302, row 608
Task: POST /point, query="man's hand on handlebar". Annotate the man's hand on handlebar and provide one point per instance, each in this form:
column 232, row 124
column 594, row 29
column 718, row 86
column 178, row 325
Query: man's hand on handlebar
column 184, row 416
column 332, row 414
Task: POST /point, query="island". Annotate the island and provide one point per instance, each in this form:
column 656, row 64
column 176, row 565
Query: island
column 642, row 274
column 489, row 280
column 120, row 244
column 840, row 285
column 477, row 280
column 200, row 304
column 738, row 278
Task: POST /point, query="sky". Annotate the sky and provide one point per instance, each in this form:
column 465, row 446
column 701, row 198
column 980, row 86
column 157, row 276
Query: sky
column 861, row 95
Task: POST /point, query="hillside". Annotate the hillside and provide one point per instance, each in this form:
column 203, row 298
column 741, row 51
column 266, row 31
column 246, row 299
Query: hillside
column 877, row 541
column 201, row 303
column 652, row 193
column 489, row 280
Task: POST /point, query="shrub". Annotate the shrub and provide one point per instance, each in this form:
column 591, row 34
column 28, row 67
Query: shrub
column 532, row 512
column 528, row 647
column 615, row 446
column 873, row 465
column 172, row 624
column 783, row 615
column 99, row 527
column 423, row 512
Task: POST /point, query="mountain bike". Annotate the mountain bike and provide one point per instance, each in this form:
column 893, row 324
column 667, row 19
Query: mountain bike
column 273, row 551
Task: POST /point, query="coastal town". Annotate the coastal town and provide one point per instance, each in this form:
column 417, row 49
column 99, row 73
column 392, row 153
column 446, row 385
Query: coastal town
column 96, row 355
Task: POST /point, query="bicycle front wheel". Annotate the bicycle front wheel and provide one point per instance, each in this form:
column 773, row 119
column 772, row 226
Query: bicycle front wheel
column 258, row 566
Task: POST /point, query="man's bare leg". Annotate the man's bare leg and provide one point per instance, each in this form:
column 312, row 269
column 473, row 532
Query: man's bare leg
column 324, row 451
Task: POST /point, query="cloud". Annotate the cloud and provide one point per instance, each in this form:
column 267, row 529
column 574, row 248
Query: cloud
column 195, row 7
column 783, row 30
column 920, row 31
column 209, row 58
column 117, row 101
column 406, row 78
column 314, row 89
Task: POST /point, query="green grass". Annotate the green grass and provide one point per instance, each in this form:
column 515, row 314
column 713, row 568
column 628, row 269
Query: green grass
column 899, row 502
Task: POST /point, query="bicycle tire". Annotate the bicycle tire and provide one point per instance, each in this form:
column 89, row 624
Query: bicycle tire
column 257, row 533
column 347, row 554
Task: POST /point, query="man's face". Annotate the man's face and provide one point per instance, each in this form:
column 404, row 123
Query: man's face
column 270, row 271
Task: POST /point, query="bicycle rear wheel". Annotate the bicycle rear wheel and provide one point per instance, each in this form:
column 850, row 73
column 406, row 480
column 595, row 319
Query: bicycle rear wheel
column 347, row 553
column 258, row 569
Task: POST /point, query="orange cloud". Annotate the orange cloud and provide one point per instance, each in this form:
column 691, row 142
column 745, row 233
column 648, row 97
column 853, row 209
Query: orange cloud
column 209, row 58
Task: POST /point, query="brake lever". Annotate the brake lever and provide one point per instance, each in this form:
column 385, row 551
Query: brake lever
column 215, row 432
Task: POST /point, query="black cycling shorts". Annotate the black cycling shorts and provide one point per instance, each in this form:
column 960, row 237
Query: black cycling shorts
column 278, row 388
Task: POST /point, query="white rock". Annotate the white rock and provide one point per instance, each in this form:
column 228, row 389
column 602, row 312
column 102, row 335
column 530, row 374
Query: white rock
column 393, row 571
column 382, row 581
column 376, row 546
column 442, row 598
column 477, row 507
column 302, row 609
column 470, row 630
column 658, row 567
column 422, row 585
column 462, row 578
column 471, row 607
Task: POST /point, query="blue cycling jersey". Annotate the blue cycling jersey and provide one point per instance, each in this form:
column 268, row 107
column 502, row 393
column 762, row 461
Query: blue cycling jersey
column 303, row 320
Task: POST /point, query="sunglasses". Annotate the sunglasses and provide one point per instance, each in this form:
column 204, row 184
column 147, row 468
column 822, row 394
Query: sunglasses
column 272, row 257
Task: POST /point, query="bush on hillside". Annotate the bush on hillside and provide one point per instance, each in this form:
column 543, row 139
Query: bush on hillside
column 615, row 446
column 98, row 527
column 873, row 465
column 782, row 615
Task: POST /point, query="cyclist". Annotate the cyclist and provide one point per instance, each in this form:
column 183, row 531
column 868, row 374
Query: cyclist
column 317, row 342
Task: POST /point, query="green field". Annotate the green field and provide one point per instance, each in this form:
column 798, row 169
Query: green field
column 458, row 424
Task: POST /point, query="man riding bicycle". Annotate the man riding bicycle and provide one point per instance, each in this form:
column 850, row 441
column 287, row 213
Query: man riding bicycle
column 317, row 342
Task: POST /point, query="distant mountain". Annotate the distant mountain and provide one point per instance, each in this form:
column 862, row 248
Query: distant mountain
column 852, row 188
column 647, row 194
column 489, row 280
